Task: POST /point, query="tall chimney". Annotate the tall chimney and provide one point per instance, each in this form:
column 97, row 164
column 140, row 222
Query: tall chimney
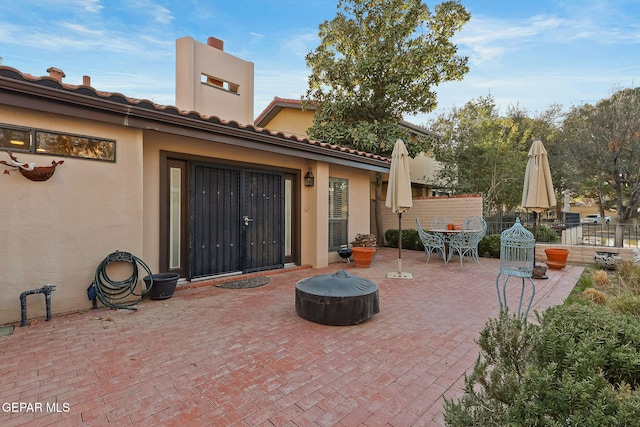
column 56, row 73
column 86, row 80
column 214, row 42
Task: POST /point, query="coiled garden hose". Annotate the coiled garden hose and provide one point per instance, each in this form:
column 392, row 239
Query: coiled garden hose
column 110, row 292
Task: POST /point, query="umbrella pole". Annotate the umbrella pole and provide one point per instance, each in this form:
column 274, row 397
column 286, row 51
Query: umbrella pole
column 399, row 242
column 399, row 274
column 535, row 236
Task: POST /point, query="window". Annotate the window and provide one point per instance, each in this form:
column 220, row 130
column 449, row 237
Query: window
column 338, row 212
column 55, row 143
column 15, row 138
column 75, row 146
column 175, row 216
column 219, row 83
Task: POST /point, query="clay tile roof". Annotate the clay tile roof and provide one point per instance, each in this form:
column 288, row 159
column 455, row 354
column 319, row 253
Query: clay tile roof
column 275, row 107
column 88, row 91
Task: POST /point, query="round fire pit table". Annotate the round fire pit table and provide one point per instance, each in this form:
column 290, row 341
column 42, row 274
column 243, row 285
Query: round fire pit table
column 338, row 299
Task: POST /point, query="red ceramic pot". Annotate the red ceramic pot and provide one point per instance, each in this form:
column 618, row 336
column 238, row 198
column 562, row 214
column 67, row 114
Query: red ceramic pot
column 556, row 258
column 363, row 256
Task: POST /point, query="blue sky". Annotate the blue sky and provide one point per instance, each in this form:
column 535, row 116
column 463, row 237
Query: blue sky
column 526, row 53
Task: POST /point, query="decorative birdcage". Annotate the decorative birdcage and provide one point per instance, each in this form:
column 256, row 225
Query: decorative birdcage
column 517, row 259
column 517, row 251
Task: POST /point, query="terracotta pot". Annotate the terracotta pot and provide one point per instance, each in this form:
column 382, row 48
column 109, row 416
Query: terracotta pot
column 363, row 256
column 556, row 258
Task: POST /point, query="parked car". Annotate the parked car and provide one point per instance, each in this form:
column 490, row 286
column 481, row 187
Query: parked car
column 595, row 219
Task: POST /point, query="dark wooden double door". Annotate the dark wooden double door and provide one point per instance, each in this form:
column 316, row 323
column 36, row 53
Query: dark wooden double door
column 236, row 220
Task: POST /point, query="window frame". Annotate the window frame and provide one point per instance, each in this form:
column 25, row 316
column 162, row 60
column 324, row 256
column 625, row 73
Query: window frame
column 33, row 143
column 26, row 130
column 344, row 219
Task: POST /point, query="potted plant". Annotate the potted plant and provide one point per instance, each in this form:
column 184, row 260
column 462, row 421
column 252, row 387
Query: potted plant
column 363, row 249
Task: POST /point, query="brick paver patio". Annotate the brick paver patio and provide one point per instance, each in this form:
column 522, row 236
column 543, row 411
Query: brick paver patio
column 242, row 357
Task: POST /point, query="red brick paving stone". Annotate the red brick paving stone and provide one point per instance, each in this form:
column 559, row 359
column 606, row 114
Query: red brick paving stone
column 405, row 418
column 284, row 416
column 379, row 418
column 241, row 352
column 309, row 416
column 310, row 400
column 356, row 417
column 337, row 413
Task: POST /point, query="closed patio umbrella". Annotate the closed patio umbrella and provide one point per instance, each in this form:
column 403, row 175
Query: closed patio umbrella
column 537, row 194
column 399, row 196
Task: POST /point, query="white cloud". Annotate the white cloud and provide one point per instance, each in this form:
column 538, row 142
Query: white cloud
column 159, row 13
column 81, row 29
column 89, row 6
column 301, row 44
column 486, row 39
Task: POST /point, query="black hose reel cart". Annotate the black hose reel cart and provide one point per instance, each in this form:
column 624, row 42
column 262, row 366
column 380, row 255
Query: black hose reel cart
column 126, row 292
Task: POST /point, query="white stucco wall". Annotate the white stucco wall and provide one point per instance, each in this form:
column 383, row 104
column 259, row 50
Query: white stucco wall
column 58, row 231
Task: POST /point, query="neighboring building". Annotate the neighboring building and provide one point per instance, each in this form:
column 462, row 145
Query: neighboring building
column 185, row 191
column 291, row 117
column 287, row 115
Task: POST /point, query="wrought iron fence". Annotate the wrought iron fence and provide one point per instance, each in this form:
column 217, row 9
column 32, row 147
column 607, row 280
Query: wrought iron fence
column 567, row 229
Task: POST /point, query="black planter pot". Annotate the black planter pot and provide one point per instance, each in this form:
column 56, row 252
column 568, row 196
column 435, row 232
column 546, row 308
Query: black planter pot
column 163, row 286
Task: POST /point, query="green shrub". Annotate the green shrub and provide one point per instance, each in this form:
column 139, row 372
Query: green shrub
column 587, row 339
column 410, row 239
column 579, row 366
column 489, row 246
column 544, row 234
column 391, row 238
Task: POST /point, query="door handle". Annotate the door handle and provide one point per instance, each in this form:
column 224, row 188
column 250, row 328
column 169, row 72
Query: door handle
column 246, row 220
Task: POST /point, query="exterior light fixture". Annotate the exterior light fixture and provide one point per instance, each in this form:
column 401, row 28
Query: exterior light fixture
column 309, row 179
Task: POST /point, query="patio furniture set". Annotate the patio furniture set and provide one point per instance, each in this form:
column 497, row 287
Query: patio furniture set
column 449, row 239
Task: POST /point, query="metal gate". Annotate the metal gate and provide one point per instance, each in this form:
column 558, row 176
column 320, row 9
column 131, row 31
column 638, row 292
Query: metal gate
column 237, row 220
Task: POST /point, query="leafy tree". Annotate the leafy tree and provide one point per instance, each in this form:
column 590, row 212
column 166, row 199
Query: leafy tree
column 484, row 152
column 602, row 145
column 377, row 61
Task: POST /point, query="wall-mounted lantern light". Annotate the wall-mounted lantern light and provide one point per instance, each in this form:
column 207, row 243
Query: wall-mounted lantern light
column 309, row 178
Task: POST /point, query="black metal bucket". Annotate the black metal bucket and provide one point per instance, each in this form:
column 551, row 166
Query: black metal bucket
column 163, row 286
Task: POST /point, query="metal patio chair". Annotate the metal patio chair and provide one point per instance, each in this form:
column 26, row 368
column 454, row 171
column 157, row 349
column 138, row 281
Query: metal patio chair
column 431, row 242
column 466, row 242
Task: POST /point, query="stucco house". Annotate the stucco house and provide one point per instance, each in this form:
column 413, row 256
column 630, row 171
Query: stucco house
column 291, row 116
column 183, row 189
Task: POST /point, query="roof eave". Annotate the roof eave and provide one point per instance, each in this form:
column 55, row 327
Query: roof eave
column 147, row 116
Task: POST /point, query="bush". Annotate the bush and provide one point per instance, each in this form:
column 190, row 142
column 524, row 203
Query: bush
column 544, row 234
column 579, row 366
column 592, row 338
column 489, row 246
column 410, row 239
